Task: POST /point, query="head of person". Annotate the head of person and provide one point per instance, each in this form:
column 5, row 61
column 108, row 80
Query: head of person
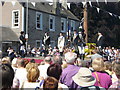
column 70, row 57
column 54, row 70
column 20, row 63
column 7, row 74
column 84, row 77
column 57, row 59
column 116, row 69
column 98, row 64
column 33, row 74
column 47, row 59
column 22, row 32
column 61, row 34
column 50, row 83
column 75, row 32
column 46, row 33
column 32, row 60
column 108, row 65
column 14, row 62
column 31, row 65
column 99, row 33
column 6, row 60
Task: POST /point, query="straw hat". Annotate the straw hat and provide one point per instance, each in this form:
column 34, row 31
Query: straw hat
column 84, row 77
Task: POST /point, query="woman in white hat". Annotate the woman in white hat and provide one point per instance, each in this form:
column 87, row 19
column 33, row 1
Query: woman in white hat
column 85, row 79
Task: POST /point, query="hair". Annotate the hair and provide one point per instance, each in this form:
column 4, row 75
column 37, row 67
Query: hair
column 47, row 59
column 22, row 32
column 54, row 70
column 33, row 74
column 108, row 65
column 32, row 60
column 31, row 65
column 50, row 83
column 116, row 69
column 98, row 64
column 57, row 59
column 21, row 62
column 70, row 57
column 7, row 73
column 6, row 60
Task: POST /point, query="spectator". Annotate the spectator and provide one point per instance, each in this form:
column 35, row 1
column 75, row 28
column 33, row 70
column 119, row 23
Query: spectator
column 50, row 83
column 7, row 74
column 55, row 70
column 14, row 64
column 57, row 59
column 43, row 68
column 108, row 67
column 32, row 77
column 117, row 72
column 6, row 60
column 20, row 75
column 85, row 80
column 102, row 78
column 95, row 54
column 70, row 71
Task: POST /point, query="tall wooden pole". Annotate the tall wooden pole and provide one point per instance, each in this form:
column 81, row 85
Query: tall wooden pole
column 86, row 22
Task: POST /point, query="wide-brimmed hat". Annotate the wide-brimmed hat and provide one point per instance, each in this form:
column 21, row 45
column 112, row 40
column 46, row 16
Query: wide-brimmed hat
column 84, row 77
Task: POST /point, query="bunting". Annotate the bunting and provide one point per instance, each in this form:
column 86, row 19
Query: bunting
column 105, row 1
column 13, row 3
column 90, row 3
column 84, row 3
column 98, row 10
column 33, row 3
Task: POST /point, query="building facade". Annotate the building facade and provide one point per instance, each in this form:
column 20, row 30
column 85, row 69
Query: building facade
column 42, row 17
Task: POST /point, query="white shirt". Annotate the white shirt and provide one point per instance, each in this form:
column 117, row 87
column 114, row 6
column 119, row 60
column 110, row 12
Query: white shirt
column 20, row 77
column 43, row 70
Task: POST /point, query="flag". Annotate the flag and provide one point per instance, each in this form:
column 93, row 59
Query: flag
column 98, row 10
column 90, row 3
column 97, row 2
column 111, row 14
column 33, row 3
column 84, row 3
column 13, row 3
column 105, row 1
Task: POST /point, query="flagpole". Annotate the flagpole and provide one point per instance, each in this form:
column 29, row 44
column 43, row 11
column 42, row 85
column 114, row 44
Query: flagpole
column 26, row 35
column 85, row 21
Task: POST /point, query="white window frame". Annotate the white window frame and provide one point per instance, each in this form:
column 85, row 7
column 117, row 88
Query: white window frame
column 40, row 41
column 52, row 17
column 41, row 21
column 73, row 24
column 65, row 23
column 52, row 45
column 13, row 19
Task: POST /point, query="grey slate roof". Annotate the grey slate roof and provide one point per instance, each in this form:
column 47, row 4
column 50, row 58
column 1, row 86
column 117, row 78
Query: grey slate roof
column 45, row 7
column 6, row 34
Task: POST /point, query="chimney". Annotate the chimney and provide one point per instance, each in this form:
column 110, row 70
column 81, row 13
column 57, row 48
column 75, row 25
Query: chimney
column 64, row 3
column 56, row 5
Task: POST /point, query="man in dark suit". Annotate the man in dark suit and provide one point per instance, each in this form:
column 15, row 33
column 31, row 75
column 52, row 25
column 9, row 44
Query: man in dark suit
column 75, row 41
column 100, row 40
column 22, row 38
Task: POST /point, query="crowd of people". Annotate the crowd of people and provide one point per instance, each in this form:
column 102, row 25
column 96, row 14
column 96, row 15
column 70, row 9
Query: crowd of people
column 68, row 72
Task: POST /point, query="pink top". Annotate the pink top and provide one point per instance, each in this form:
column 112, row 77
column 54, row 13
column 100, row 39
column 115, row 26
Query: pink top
column 104, row 78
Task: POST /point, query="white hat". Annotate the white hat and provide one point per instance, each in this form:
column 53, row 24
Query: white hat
column 84, row 77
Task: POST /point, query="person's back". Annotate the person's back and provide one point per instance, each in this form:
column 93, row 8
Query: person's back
column 20, row 75
column 85, row 80
column 70, row 71
column 43, row 68
column 102, row 78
